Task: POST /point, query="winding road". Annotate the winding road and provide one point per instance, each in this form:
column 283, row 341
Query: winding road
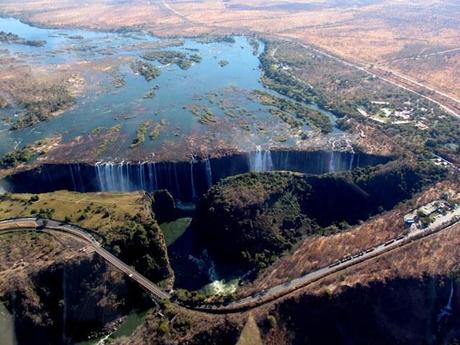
column 32, row 224
column 441, row 223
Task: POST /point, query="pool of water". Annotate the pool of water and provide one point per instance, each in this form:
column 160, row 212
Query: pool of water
column 241, row 122
column 127, row 327
column 174, row 229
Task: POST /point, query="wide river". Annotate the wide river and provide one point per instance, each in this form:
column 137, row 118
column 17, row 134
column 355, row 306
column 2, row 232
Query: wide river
column 112, row 104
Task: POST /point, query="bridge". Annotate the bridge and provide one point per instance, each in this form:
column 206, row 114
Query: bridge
column 32, row 224
column 260, row 298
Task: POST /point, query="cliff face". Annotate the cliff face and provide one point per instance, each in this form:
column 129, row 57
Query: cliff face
column 66, row 302
column 252, row 218
column 122, row 222
column 400, row 311
column 408, row 296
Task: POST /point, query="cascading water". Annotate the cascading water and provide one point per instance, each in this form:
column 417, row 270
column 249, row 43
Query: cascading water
column 350, row 167
column 186, row 180
column 446, row 311
column 208, row 172
column 192, row 179
column 260, row 160
column 332, row 162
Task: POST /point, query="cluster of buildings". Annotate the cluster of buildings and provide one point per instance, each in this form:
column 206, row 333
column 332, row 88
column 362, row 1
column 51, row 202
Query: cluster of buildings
column 438, row 210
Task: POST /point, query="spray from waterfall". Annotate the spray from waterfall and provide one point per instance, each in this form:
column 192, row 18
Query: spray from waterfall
column 260, row 160
column 332, row 167
column 208, row 172
column 192, row 179
column 446, row 311
column 350, row 167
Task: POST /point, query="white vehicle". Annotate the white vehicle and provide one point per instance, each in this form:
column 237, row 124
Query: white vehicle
column 130, row 275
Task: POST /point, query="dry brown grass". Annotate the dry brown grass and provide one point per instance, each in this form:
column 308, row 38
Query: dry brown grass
column 101, row 212
column 437, row 255
column 368, row 33
column 320, row 251
column 250, row 335
column 23, row 253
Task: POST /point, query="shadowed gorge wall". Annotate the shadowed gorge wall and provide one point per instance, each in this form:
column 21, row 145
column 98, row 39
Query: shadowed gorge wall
column 250, row 219
column 186, row 181
column 401, row 311
column 66, row 302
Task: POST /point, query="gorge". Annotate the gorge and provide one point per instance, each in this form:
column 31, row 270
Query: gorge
column 186, row 181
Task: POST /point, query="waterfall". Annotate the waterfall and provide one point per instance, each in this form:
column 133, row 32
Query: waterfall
column 155, row 176
column 260, row 160
column 176, row 180
column 449, row 303
column 72, row 177
column 192, row 179
column 76, row 178
column 80, row 179
column 150, row 175
column 208, row 172
column 185, row 180
column 332, row 162
column 446, row 311
column 351, row 161
column 99, row 177
column 116, row 176
column 119, row 174
column 142, row 175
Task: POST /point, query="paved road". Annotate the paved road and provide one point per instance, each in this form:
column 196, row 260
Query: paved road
column 421, row 56
column 372, row 72
column 262, row 297
column 375, row 73
column 33, row 223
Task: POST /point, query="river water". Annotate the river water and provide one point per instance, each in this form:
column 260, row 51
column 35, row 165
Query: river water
column 102, row 58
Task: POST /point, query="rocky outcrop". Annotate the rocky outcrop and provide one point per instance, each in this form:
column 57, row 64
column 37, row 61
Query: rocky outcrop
column 163, row 206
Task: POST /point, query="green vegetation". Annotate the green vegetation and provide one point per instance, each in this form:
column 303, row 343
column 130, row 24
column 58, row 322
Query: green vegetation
column 119, row 82
column 152, row 92
column 106, row 136
column 16, row 157
column 155, row 131
column 254, row 45
column 307, row 76
column 217, row 39
column 204, row 114
column 140, row 243
column 57, row 98
column 294, row 113
column 223, row 63
column 258, row 214
column 8, row 37
column 180, row 59
column 141, row 132
column 252, row 219
column 147, row 70
column 173, row 230
column 122, row 222
column 144, row 128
